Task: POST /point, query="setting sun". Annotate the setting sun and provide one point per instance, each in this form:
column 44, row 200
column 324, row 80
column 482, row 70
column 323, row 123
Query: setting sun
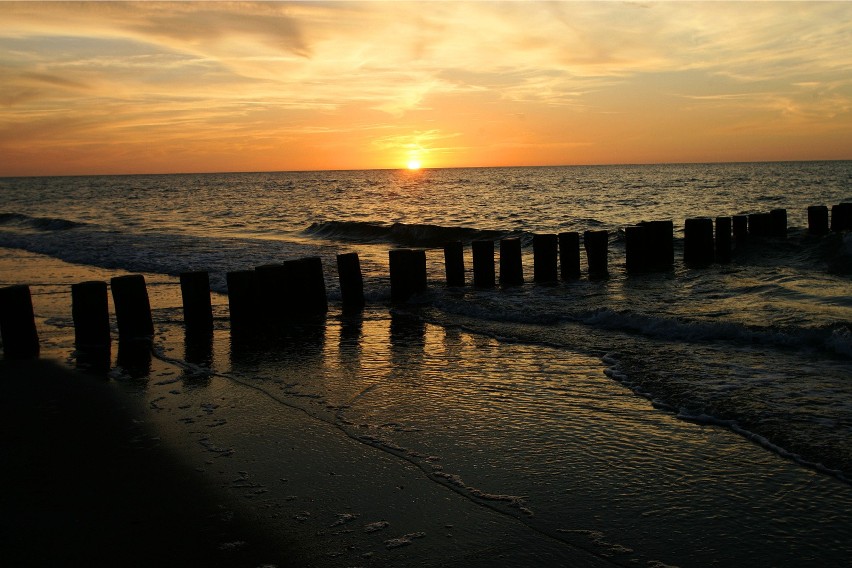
column 413, row 164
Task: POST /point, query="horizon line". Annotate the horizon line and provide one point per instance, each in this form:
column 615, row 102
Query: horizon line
column 426, row 168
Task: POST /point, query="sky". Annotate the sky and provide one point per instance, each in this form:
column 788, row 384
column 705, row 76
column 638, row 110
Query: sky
column 162, row 87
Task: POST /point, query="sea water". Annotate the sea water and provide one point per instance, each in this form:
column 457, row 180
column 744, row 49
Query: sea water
column 690, row 417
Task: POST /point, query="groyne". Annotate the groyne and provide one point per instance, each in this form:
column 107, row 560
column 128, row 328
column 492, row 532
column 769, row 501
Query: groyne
column 294, row 290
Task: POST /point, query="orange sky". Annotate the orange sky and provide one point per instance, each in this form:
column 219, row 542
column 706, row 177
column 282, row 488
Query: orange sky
column 195, row 87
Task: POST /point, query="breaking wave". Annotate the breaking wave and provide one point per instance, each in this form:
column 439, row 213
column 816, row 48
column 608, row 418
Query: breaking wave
column 39, row 223
column 416, row 235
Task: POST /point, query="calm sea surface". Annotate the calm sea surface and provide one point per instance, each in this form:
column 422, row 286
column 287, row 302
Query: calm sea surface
column 693, row 417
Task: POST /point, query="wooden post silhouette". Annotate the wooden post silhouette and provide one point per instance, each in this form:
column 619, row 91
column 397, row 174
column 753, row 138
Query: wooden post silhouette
column 17, row 323
column 818, row 219
column 197, row 308
column 596, row 244
column 740, row 223
column 760, row 225
column 242, row 300
column 545, row 249
column 841, row 217
column 723, row 239
column 90, row 312
column 291, row 290
column 275, row 290
column 569, row 255
column 132, row 308
column 511, row 266
column 351, row 281
column 407, row 273
column 454, row 263
column 660, row 244
column 483, row 264
column 636, row 249
column 698, row 245
column 779, row 223
column 314, row 299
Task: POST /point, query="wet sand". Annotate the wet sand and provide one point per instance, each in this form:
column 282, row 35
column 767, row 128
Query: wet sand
column 87, row 483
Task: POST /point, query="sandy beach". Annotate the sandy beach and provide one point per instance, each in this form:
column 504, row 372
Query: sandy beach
column 158, row 464
column 379, row 440
column 90, row 481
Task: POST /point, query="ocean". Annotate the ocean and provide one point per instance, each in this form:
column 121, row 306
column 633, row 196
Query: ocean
column 691, row 417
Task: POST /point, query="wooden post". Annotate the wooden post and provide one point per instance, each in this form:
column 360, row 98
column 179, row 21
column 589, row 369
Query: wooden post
column 132, row 308
column 351, row 281
column 275, row 294
column 841, row 217
column 291, row 290
column 197, row 308
column 454, row 263
column 760, row 225
column 596, row 244
column 740, row 223
column 545, row 249
column 511, row 266
column 569, row 255
column 818, row 219
column 483, row 264
column 407, row 273
column 242, row 300
column 418, row 260
column 310, row 275
column 723, row 239
column 698, row 241
column 90, row 312
column 659, row 236
column 778, row 219
column 636, row 249
column 17, row 323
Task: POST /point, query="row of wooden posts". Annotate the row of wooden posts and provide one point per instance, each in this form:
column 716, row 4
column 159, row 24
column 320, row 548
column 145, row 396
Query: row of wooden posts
column 295, row 290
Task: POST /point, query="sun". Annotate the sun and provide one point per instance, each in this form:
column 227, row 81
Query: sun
column 413, row 164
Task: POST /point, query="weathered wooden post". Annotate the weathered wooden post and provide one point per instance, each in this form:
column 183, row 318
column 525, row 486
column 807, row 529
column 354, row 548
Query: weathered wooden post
column 511, row 265
column 818, row 219
column 454, row 263
column 596, row 244
column 698, row 241
column 243, row 301
column 545, row 249
column 841, row 217
column 351, row 281
column 197, row 308
column 636, row 249
column 569, row 255
column 90, row 312
column 17, row 323
column 407, row 273
column 740, row 223
column 778, row 218
column 483, row 264
column 723, row 239
column 132, row 308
